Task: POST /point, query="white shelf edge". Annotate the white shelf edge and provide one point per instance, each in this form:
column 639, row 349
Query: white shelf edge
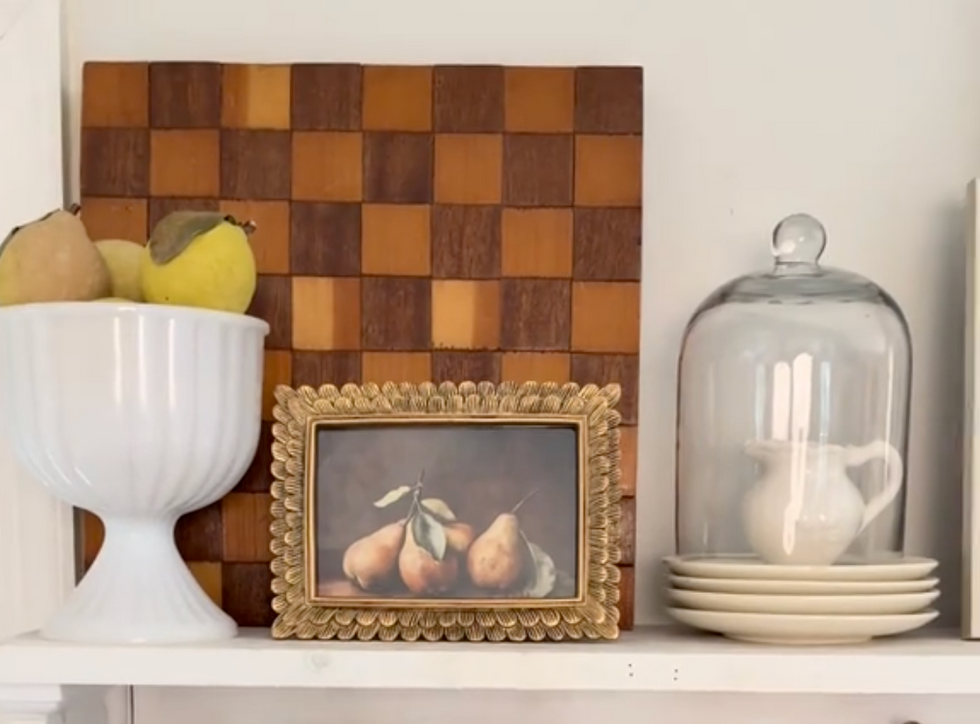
column 657, row 659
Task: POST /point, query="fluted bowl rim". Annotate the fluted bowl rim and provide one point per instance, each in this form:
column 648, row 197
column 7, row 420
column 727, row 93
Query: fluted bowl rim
column 99, row 309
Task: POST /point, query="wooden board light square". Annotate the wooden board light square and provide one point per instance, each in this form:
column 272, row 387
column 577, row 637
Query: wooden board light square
column 414, row 223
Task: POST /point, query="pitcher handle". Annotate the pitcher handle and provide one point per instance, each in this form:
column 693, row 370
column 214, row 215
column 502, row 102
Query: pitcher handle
column 895, row 471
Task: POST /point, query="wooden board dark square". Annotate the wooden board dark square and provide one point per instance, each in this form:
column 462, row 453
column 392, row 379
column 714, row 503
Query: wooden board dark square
column 414, row 223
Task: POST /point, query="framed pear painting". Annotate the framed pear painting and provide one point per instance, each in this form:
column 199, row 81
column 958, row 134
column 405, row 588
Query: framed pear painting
column 474, row 512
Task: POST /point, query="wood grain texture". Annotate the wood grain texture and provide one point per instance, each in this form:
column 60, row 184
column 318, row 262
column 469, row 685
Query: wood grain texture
column 607, row 244
column 476, row 366
column 465, row 314
column 627, row 588
column 208, row 576
column 397, row 98
column 103, row 106
column 256, row 96
column 536, row 366
column 273, row 303
column 536, row 243
column 469, row 99
column 198, row 534
column 609, row 100
column 398, row 168
column 539, row 100
column 326, row 97
column 536, row 314
column 608, row 170
column 246, row 593
column 381, row 367
column 245, row 520
column 627, row 529
column 327, row 166
column 627, row 451
column 185, row 163
column 538, row 169
column 278, row 370
column 325, row 238
column 185, row 95
column 468, row 168
column 395, row 239
column 107, row 218
column 256, row 165
column 326, row 313
column 606, row 317
column 93, row 535
column 396, row 313
column 466, row 242
column 325, row 368
column 115, row 162
column 449, row 222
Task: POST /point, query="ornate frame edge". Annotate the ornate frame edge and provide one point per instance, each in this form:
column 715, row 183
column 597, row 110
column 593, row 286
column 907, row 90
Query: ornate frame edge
column 596, row 618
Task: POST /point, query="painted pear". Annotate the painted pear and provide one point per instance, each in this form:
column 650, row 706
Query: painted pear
column 459, row 537
column 370, row 561
column 496, row 560
column 423, row 574
column 52, row 259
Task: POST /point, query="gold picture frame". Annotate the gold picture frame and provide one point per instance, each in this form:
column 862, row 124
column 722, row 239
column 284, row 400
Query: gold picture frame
column 585, row 608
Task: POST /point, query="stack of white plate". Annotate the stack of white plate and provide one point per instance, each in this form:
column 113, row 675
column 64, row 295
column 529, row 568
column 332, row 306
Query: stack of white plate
column 749, row 600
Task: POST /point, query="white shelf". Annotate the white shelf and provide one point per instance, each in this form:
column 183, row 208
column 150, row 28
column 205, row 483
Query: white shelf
column 660, row 659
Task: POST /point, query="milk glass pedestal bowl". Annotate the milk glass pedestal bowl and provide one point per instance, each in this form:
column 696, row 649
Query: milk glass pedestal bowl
column 138, row 413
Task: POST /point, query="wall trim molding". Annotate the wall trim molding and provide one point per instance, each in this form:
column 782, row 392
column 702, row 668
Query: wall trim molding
column 37, row 532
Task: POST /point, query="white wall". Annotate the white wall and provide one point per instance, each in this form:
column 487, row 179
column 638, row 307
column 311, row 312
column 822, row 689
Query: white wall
column 863, row 112
column 866, row 113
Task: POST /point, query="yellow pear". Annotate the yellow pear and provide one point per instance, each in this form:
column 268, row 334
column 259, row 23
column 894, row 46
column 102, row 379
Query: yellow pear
column 123, row 260
column 423, row 574
column 200, row 259
column 370, row 561
column 497, row 559
column 52, row 259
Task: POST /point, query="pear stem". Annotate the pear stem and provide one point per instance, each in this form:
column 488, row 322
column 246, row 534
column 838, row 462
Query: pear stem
column 523, row 500
column 416, row 506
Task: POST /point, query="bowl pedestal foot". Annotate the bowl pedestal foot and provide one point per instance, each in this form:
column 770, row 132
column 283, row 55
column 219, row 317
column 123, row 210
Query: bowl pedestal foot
column 139, row 590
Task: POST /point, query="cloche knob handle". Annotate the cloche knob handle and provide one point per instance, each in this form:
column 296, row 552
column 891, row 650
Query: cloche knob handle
column 798, row 239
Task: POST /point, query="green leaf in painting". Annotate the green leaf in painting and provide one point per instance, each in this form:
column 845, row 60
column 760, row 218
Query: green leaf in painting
column 438, row 508
column 429, row 535
column 541, row 574
column 392, row 496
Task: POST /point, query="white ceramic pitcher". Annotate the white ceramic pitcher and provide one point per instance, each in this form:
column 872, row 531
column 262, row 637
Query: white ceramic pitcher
column 805, row 510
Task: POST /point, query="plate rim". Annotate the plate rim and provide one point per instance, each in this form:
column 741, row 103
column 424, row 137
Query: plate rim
column 931, row 583
column 929, row 614
column 745, row 568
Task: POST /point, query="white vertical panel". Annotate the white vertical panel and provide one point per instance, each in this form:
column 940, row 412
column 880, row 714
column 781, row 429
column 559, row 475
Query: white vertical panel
column 36, row 532
column 970, row 618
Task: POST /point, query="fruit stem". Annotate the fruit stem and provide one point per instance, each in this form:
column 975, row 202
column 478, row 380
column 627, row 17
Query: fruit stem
column 248, row 227
column 416, row 506
column 524, row 500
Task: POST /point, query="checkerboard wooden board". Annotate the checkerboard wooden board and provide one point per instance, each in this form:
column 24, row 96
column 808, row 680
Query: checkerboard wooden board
column 414, row 223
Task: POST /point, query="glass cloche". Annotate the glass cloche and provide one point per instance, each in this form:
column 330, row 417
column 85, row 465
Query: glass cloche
column 793, row 408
